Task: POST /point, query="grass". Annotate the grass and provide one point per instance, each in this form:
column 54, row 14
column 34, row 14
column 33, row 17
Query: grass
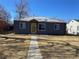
column 51, row 46
column 59, row 47
column 14, row 49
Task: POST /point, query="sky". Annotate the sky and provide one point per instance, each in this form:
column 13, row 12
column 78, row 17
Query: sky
column 63, row 9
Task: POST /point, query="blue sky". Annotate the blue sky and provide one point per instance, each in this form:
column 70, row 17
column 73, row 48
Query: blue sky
column 62, row 9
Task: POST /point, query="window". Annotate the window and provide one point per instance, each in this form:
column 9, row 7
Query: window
column 57, row 27
column 42, row 26
column 78, row 28
column 22, row 25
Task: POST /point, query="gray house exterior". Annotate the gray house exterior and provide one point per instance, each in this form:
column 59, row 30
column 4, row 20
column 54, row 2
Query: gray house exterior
column 39, row 25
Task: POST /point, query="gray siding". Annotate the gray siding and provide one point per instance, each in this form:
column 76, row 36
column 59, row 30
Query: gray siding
column 49, row 28
column 21, row 31
column 42, row 32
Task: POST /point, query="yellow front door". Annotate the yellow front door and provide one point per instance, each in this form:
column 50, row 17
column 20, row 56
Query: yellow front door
column 33, row 28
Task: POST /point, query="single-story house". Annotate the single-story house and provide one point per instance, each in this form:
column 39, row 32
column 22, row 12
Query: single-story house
column 73, row 27
column 39, row 25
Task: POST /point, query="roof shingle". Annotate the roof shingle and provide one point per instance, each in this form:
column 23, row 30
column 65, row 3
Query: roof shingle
column 40, row 19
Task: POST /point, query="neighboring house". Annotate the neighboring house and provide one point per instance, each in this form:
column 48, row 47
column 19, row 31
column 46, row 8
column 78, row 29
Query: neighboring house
column 73, row 27
column 9, row 27
column 3, row 25
column 39, row 25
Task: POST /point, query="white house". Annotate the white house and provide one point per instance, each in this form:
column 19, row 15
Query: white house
column 73, row 27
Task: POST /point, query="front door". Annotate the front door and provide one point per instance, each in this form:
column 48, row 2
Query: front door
column 33, row 28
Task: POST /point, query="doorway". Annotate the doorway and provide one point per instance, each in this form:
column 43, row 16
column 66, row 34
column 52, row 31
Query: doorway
column 33, row 28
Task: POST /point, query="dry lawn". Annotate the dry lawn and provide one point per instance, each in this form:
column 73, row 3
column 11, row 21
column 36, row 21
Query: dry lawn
column 14, row 49
column 52, row 47
column 59, row 47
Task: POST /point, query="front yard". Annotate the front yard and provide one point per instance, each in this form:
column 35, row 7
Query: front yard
column 51, row 47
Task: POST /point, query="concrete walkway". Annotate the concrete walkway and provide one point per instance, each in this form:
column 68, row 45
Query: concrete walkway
column 34, row 51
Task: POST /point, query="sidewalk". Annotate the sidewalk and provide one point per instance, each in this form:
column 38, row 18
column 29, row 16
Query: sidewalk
column 34, row 51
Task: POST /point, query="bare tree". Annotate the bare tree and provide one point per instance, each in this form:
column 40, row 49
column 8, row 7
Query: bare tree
column 21, row 9
column 4, row 14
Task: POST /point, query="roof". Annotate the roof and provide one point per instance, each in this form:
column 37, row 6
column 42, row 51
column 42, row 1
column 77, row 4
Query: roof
column 77, row 20
column 42, row 19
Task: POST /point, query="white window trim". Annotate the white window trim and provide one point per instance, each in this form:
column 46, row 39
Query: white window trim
column 44, row 26
column 58, row 27
column 23, row 24
column 77, row 28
